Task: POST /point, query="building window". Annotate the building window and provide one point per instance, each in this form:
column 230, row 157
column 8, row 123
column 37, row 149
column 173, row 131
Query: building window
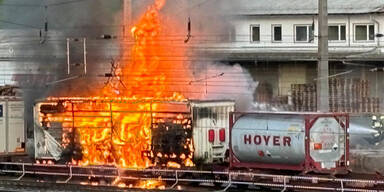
column 276, row 33
column 336, row 33
column 364, row 32
column 303, row 33
column 255, row 31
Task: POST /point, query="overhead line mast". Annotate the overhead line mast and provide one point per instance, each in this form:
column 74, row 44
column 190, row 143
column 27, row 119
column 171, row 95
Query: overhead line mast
column 322, row 65
column 127, row 16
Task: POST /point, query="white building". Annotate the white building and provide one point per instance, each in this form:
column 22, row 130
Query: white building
column 278, row 41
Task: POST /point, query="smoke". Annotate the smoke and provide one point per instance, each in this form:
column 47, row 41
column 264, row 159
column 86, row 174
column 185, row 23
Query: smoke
column 210, row 27
column 219, row 81
column 37, row 58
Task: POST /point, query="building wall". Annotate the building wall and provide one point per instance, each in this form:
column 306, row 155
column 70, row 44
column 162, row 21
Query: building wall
column 267, row 76
column 242, row 26
column 291, row 73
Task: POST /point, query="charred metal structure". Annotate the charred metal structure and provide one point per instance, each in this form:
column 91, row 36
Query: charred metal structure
column 170, row 140
column 181, row 131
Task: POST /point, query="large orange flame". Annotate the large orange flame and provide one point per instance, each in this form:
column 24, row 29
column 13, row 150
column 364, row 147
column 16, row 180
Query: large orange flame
column 119, row 134
column 114, row 127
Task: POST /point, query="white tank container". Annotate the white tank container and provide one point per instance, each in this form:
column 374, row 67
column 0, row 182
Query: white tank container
column 313, row 141
column 11, row 124
column 269, row 139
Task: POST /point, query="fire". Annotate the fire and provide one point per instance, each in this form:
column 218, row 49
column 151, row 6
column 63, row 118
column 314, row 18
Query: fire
column 173, row 164
column 114, row 127
column 188, row 162
column 143, row 184
column 122, row 185
column 132, row 135
column 151, row 184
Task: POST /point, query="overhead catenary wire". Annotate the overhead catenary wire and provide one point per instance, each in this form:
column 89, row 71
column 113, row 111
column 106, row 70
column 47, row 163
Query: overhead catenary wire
column 39, row 5
column 19, row 24
column 66, row 2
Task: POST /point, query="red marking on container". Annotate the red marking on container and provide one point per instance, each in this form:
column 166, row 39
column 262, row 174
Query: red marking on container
column 286, row 141
column 276, row 140
column 211, row 135
column 318, row 146
column 257, row 139
column 264, row 140
column 247, row 139
column 222, row 135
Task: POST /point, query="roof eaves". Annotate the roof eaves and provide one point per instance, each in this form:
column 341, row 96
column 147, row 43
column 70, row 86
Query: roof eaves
column 379, row 9
column 294, row 14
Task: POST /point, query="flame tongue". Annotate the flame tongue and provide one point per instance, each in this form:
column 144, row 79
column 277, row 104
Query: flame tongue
column 123, row 137
column 159, row 4
column 115, row 129
column 132, row 135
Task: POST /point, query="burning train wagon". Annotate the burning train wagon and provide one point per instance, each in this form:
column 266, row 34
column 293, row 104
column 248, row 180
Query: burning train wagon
column 102, row 131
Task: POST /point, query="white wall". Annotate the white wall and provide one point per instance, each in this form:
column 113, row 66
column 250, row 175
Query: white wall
column 243, row 24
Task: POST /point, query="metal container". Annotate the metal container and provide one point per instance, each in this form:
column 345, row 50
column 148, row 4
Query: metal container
column 11, row 124
column 293, row 141
column 211, row 130
column 279, row 139
column 47, row 142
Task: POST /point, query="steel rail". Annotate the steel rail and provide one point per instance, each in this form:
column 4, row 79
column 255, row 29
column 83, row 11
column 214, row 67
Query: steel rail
column 201, row 172
column 194, row 171
column 208, row 181
column 229, row 174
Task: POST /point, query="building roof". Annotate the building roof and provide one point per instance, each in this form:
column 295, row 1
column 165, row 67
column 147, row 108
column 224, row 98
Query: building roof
column 305, row 7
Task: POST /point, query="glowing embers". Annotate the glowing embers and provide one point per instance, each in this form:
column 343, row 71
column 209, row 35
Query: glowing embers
column 143, row 184
column 172, row 141
column 126, row 182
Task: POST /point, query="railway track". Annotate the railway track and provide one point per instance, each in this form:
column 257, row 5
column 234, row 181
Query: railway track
column 31, row 185
column 99, row 178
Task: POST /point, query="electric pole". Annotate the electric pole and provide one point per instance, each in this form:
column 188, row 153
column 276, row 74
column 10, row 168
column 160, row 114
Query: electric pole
column 322, row 65
column 127, row 16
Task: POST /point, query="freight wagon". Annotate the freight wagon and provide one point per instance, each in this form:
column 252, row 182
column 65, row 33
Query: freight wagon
column 11, row 125
column 203, row 124
column 205, row 131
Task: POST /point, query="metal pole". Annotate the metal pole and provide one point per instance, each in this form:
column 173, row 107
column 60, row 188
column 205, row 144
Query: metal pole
column 85, row 55
column 73, row 125
column 127, row 16
column 68, row 64
column 322, row 66
column 7, row 116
